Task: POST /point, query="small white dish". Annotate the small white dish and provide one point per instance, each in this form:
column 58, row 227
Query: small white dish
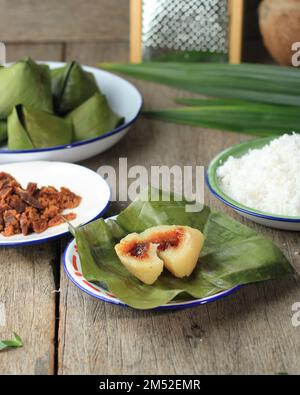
column 123, row 98
column 92, row 188
column 72, row 267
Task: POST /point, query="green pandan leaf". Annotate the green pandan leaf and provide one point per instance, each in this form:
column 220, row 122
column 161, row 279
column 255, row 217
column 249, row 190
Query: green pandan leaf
column 255, row 82
column 16, row 342
column 233, row 254
column 256, row 119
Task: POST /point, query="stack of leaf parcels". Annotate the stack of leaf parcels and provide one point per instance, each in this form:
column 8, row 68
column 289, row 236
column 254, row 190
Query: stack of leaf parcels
column 42, row 108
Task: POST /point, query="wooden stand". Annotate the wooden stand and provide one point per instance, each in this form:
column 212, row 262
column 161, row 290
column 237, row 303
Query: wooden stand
column 135, row 31
column 236, row 12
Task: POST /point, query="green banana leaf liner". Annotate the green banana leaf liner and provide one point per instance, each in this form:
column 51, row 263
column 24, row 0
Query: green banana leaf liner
column 71, row 86
column 27, row 83
column 233, row 254
column 94, row 118
column 3, row 131
column 28, row 128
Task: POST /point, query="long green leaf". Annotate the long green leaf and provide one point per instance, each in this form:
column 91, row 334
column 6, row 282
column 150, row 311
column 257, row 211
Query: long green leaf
column 255, row 119
column 261, row 83
column 16, row 342
column 233, row 254
column 201, row 101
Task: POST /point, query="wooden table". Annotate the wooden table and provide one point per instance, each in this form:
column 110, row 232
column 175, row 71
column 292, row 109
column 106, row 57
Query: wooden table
column 65, row 331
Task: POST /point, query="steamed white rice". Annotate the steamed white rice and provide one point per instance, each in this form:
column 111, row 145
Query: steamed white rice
column 266, row 179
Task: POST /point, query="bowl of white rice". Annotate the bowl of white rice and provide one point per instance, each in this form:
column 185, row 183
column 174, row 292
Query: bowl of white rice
column 260, row 179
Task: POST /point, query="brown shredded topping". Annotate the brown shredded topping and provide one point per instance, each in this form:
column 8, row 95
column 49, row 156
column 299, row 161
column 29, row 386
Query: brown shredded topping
column 33, row 209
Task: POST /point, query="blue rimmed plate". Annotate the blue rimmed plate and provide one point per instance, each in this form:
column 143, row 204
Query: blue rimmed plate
column 123, row 98
column 72, row 267
column 263, row 218
column 92, row 188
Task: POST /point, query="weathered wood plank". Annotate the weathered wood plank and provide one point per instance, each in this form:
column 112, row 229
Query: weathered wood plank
column 28, row 282
column 248, row 332
column 241, row 334
column 27, row 293
column 93, row 53
column 64, row 21
column 16, row 51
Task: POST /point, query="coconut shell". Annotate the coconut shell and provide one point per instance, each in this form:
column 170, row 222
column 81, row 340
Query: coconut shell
column 280, row 27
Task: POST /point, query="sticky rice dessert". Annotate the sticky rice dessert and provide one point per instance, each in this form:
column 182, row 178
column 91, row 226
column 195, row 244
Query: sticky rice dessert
column 177, row 248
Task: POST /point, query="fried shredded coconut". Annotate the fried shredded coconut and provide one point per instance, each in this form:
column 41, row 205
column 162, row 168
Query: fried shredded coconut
column 32, row 209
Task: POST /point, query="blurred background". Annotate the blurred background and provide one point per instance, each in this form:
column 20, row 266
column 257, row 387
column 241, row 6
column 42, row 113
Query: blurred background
column 84, row 30
column 92, row 31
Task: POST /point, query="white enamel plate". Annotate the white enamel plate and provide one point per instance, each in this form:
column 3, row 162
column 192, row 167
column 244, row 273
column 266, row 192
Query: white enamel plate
column 72, row 266
column 92, row 188
column 123, row 98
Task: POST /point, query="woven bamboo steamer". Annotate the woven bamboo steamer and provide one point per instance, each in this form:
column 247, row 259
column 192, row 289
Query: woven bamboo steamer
column 279, row 22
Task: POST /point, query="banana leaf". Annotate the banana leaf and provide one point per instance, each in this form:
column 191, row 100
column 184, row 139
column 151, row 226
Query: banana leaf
column 71, row 86
column 233, row 115
column 28, row 129
column 233, row 254
column 27, row 83
column 3, row 131
column 261, row 83
column 93, row 118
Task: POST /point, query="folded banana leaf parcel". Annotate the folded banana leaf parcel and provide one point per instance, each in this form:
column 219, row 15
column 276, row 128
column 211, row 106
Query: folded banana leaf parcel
column 3, row 131
column 25, row 82
column 71, row 86
column 233, row 254
column 42, row 108
column 28, row 128
column 93, row 118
